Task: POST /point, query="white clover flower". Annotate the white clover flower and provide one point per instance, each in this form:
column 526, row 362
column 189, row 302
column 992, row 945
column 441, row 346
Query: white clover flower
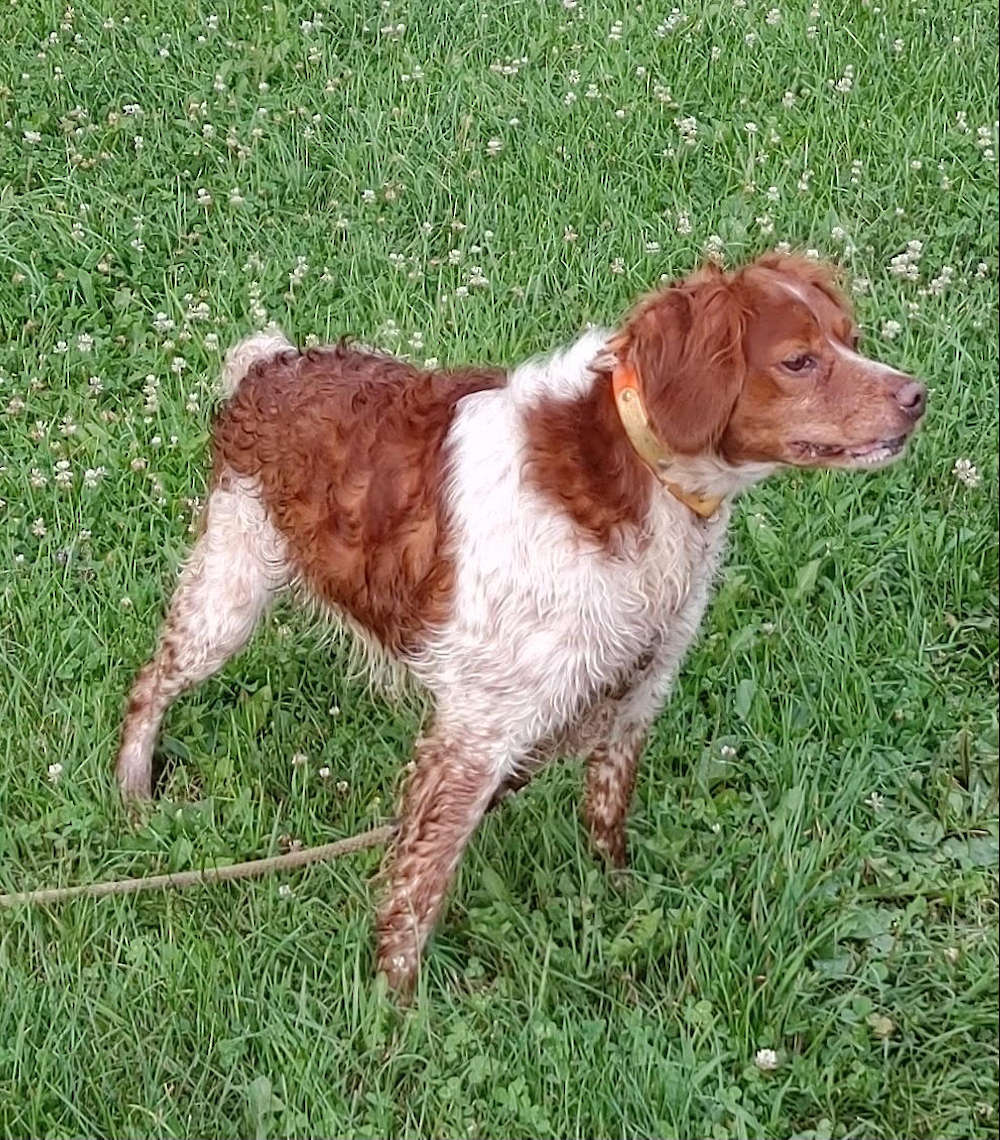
column 891, row 329
column 965, row 472
column 32, row 136
column 55, row 773
column 846, row 82
column 714, row 248
column 766, row 1060
column 670, row 23
column 941, row 282
column 905, row 264
column 875, row 801
column 688, row 127
column 683, row 224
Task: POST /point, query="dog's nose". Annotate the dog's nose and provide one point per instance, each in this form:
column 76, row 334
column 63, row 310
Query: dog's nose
column 912, row 398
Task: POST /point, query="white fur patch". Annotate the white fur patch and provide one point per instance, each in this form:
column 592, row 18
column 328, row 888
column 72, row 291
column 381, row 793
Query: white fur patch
column 246, row 353
column 545, row 620
column 235, row 570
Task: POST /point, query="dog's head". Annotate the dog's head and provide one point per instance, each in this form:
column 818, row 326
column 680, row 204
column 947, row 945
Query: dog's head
column 762, row 366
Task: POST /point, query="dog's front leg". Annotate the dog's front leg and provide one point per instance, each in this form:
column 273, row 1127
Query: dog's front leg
column 613, row 760
column 453, row 780
column 610, row 782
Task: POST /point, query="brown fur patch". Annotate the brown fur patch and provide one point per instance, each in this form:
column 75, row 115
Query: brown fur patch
column 579, row 458
column 347, row 448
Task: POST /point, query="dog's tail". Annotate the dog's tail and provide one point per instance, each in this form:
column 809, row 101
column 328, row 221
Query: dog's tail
column 260, row 346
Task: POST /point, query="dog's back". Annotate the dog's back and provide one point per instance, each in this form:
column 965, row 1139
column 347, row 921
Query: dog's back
column 345, row 448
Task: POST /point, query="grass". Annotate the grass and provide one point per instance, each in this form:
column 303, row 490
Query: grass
column 828, row 892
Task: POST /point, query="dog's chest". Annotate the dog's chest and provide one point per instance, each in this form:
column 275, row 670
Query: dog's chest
column 552, row 602
column 660, row 582
column 545, row 619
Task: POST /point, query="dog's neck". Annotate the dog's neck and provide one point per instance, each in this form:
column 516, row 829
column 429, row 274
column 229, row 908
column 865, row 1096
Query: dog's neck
column 650, row 448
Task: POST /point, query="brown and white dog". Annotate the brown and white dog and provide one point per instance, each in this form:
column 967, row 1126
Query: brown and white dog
column 536, row 546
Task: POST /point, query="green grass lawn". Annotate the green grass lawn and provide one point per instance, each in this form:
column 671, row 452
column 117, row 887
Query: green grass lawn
column 815, row 830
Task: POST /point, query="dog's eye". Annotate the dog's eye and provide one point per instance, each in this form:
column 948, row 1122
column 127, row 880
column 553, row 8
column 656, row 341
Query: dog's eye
column 802, row 363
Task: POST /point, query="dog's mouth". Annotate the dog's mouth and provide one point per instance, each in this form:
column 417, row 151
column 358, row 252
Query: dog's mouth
column 860, row 455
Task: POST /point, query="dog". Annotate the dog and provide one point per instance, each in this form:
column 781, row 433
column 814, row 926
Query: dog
column 536, row 546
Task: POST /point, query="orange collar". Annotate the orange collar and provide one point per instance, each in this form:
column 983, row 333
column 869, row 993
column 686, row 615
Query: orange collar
column 648, row 445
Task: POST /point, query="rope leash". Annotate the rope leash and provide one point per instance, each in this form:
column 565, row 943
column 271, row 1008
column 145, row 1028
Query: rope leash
column 177, row 880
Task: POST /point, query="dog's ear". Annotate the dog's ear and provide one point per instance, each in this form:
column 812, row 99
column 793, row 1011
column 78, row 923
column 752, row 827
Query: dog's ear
column 685, row 345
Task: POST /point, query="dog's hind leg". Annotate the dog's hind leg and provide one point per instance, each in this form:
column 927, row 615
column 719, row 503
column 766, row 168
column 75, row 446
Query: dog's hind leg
column 233, row 573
